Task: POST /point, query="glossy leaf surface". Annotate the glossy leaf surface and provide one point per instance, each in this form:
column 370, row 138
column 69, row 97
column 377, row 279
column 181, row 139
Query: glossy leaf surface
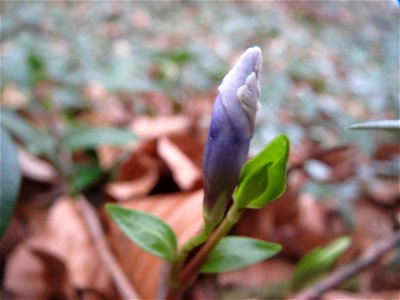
column 263, row 178
column 146, row 231
column 235, row 252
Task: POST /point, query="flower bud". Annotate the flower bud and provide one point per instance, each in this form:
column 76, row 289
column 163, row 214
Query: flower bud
column 231, row 129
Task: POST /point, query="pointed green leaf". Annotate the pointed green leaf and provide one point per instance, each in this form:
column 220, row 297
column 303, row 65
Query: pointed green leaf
column 9, row 179
column 25, row 131
column 390, row 125
column 146, row 231
column 89, row 137
column 85, row 175
column 235, row 252
column 317, row 262
column 263, row 178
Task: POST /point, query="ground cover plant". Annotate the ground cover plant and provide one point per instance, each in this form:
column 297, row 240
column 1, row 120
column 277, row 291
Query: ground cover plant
column 106, row 108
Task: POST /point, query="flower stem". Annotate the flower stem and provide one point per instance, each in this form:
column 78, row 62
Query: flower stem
column 189, row 273
column 186, row 249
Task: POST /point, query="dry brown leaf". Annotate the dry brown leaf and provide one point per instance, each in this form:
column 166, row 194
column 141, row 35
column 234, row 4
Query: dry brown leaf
column 297, row 240
column 65, row 237
column 12, row 97
column 385, row 191
column 149, row 128
column 108, row 156
column 371, row 224
column 186, row 174
column 55, row 274
column 387, row 151
column 35, row 168
column 24, row 274
column 340, row 159
column 135, row 178
column 335, row 295
column 157, row 101
column 190, row 145
column 183, row 212
column 312, row 215
column 269, row 272
column 107, row 109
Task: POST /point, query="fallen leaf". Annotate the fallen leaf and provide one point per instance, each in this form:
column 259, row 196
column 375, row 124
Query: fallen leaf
column 34, row 168
column 312, row 214
column 149, row 128
column 107, row 108
column 269, row 272
column 385, row 191
column 108, row 156
column 64, row 225
column 371, row 224
column 55, row 274
column 335, row 295
column 186, row 174
column 12, row 97
column 135, row 178
column 24, row 274
column 65, row 237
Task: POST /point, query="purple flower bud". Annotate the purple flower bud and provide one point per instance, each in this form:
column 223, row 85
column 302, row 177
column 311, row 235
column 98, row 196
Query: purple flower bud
column 231, row 129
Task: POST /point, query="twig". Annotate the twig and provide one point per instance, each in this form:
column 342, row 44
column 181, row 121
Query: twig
column 122, row 284
column 346, row 272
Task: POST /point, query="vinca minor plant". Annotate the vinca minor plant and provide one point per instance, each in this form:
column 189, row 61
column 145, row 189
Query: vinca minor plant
column 231, row 185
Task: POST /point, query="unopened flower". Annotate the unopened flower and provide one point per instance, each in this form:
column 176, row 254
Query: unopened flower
column 231, row 129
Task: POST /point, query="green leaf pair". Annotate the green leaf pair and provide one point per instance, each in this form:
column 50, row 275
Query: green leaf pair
column 157, row 238
column 263, row 178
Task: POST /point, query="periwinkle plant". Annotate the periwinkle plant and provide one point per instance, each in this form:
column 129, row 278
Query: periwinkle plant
column 227, row 176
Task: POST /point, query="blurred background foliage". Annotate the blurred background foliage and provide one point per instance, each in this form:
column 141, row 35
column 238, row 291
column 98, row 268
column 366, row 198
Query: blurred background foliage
column 326, row 65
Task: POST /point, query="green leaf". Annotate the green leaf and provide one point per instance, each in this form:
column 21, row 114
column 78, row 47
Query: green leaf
column 25, row 131
column 9, row 180
column 389, row 125
column 235, row 252
column 89, row 137
column 263, row 178
column 318, row 262
column 85, row 175
column 148, row 232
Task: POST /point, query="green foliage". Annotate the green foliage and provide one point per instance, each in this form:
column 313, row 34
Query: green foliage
column 389, row 125
column 34, row 140
column 91, row 137
column 235, row 252
column 9, row 180
column 85, row 175
column 148, row 232
column 263, row 178
column 318, row 262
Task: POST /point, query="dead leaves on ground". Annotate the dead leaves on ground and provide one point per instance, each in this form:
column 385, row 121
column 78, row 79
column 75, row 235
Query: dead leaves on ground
column 56, row 258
